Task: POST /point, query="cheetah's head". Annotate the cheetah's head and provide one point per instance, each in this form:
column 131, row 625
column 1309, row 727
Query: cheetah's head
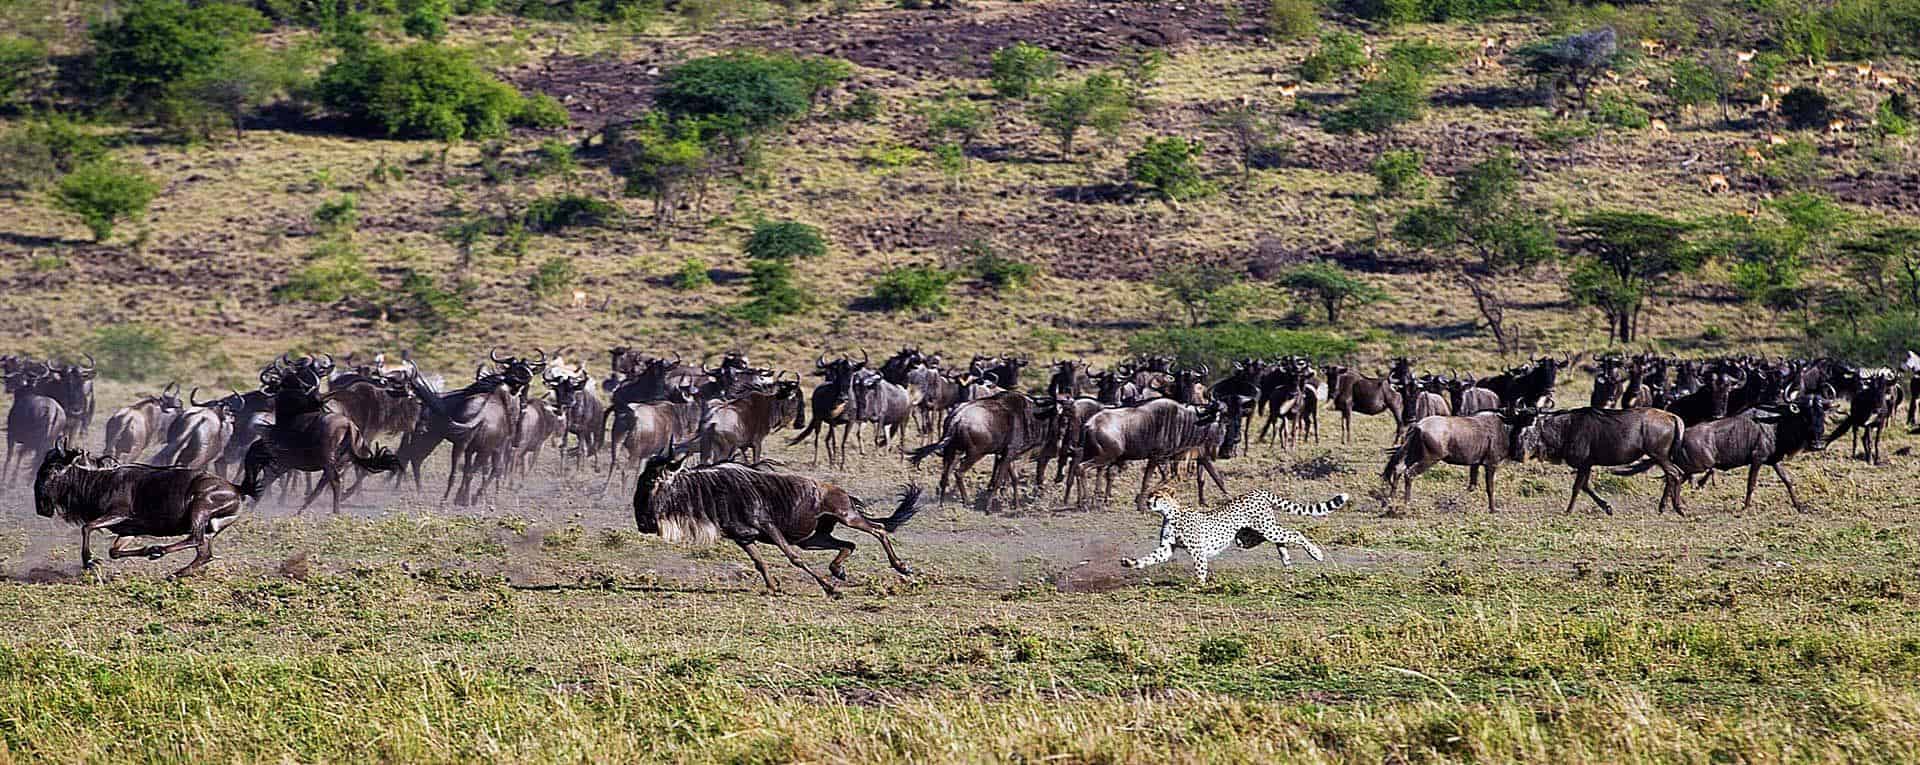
column 1162, row 502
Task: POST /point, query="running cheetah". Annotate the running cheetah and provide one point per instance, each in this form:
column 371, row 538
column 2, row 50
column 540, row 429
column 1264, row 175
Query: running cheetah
column 1246, row 522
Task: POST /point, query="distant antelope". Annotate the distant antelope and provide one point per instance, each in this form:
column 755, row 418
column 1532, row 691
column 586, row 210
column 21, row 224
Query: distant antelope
column 1863, row 70
column 1745, row 56
column 1612, row 76
column 1641, row 82
column 579, row 299
column 1657, row 125
column 1766, row 102
column 1290, row 90
column 1836, row 126
column 1650, row 45
column 1831, row 71
column 1716, row 183
column 1889, row 83
column 1754, row 154
column 1776, row 139
column 1781, row 89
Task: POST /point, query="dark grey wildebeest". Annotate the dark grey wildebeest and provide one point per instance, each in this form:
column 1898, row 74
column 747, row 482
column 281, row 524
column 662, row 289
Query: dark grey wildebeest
column 34, row 421
column 1158, row 432
column 1586, row 438
column 1763, row 436
column 1004, row 426
column 137, row 501
column 480, row 422
column 199, row 436
column 1351, row 392
column 742, row 424
column 1479, row 440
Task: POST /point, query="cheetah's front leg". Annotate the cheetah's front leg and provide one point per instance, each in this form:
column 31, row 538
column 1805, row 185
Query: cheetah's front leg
column 1160, row 555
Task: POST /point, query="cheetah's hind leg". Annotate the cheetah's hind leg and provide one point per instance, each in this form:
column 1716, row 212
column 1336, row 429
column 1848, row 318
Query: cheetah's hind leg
column 1297, row 539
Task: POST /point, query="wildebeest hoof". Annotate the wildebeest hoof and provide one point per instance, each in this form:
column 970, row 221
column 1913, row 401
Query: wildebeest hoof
column 833, row 593
column 154, row 553
column 840, row 575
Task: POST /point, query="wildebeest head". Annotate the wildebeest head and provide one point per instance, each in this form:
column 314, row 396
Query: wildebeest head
column 1520, row 424
column 58, row 461
column 656, row 476
column 566, row 387
column 896, row 368
column 1811, row 411
column 515, row 372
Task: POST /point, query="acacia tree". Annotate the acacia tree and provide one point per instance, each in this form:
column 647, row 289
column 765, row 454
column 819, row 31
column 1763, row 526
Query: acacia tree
column 1572, row 63
column 1625, row 256
column 1490, row 229
column 1330, row 286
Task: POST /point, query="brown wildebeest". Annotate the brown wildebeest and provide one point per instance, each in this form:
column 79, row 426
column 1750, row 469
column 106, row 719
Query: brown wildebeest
column 1352, row 393
column 34, row 421
column 480, row 421
column 1479, row 440
column 1586, row 438
column 1005, row 426
column 134, row 427
column 1159, row 432
column 1765, row 435
column 137, row 501
column 199, row 436
column 379, row 405
column 647, row 430
column 582, row 414
column 539, row 423
column 1425, row 397
column 744, row 505
column 306, row 436
column 743, row 423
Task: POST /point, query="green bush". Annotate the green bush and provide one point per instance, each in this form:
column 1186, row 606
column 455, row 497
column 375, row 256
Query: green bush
column 427, row 19
column 131, row 351
column 865, row 106
column 35, row 154
column 1400, row 173
column 1099, row 102
column 953, row 119
column 1292, row 19
column 770, row 285
column 1170, row 167
column 334, row 272
column 998, row 272
column 1893, row 116
column 337, row 214
column 1618, row 111
column 692, row 275
column 1219, row 346
column 744, row 92
column 1420, row 55
column 1331, row 286
column 152, row 44
column 1805, row 107
column 1397, row 96
column 103, row 192
column 553, row 276
column 1338, row 54
column 426, row 90
column 542, row 111
column 1016, row 71
column 553, row 213
column 22, row 64
column 785, row 240
column 919, row 288
column 1204, row 291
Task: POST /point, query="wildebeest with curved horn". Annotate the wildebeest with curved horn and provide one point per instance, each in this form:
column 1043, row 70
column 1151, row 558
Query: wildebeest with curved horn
column 581, row 413
column 883, row 404
column 72, row 386
column 137, row 501
column 1005, row 426
column 745, row 505
column 136, row 426
column 379, row 405
column 34, row 422
column 480, row 421
column 1352, row 392
column 832, row 403
column 649, row 429
column 1763, row 436
column 1586, row 438
column 308, row 437
column 1479, row 440
column 1157, row 431
column 199, row 436
column 742, row 424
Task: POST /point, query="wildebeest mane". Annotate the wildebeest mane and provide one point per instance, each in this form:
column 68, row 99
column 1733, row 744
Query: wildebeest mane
column 695, row 502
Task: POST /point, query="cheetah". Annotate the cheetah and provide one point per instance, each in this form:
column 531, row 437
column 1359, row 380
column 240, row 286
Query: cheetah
column 1246, row 522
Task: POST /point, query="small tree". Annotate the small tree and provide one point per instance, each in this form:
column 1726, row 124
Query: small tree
column 552, row 277
column 1399, row 173
column 104, row 192
column 1886, row 263
column 1018, row 69
column 1169, row 167
column 1486, row 219
column 954, row 120
column 23, row 63
column 1805, row 107
column 1205, row 291
column 1253, row 135
column 663, row 159
column 1627, row 255
column 242, row 80
column 1395, row 97
column 1330, row 286
column 1291, row 19
column 785, row 240
column 770, row 285
column 153, row 44
column 1698, row 84
column 1338, row 54
column 1099, row 102
column 1571, row 63
column 919, row 288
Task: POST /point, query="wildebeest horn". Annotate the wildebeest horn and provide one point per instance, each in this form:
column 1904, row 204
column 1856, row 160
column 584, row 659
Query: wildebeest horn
column 193, row 397
column 863, row 357
column 820, row 363
column 493, row 354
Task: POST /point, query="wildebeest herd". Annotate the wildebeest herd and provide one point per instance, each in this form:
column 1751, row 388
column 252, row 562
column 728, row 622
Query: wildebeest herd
column 331, row 425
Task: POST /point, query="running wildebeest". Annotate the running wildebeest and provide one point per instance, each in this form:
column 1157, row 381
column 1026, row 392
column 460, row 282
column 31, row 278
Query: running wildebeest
column 34, row 421
column 136, row 426
column 1479, row 440
column 1586, row 438
column 745, row 505
column 199, row 436
column 1874, row 401
column 1763, row 436
column 480, row 421
column 742, row 424
column 308, row 437
column 137, row 501
column 1157, row 432
column 1005, row 426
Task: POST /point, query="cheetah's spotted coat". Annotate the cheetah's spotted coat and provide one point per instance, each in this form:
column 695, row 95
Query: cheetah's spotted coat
column 1247, row 522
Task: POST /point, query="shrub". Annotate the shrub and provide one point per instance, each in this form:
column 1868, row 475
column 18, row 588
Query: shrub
column 1399, row 95
column 542, row 111
column 1017, row 69
column 22, row 61
column 770, row 284
column 1338, row 54
column 553, row 276
column 334, row 272
column 425, row 90
column 103, row 192
column 337, row 214
column 998, row 272
column 1617, row 111
column 953, row 119
column 1420, row 55
column 555, row 157
column 1099, row 102
column 562, row 211
column 1169, row 166
column 37, row 153
column 1695, row 84
column 1206, row 292
column 241, row 80
column 131, row 351
column 785, row 240
column 1894, row 116
column 1219, row 346
column 1805, row 107
column 427, row 19
column 921, row 288
column 744, row 92
column 863, row 107
column 692, row 275
column 1573, row 62
column 1330, row 286
column 1400, row 173
column 153, row 44
column 1291, row 19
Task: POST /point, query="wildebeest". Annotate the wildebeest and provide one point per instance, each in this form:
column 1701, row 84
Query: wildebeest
column 742, row 424
column 1586, row 438
column 136, row 426
column 1874, row 400
column 883, row 404
column 1529, row 385
column 1763, row 436
column 1609, row 379
column 540, row 423
column 34, row 421
column 1005, row 426
column 480, row 421
column 199, row 436
column 581, row 413
column 1479, row 440
column 378, row 404
column 1157, row 432
column 649, row 429
column 1068, row 379
column 932, row 392
column 1351, row 392
column 72, row 386
column 136, row 501
column 832, row 403
column 745, row 505
column 1423, row 397
column 307, row 437
column 1709, row 401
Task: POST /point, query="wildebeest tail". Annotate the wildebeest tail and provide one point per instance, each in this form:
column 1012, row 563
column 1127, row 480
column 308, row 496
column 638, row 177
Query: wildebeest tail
column 811, row 428
column 909, row 506
column 1637, row 468
column 924, row 452
column 1406, row 452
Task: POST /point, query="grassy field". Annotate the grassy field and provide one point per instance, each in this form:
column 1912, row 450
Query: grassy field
column 542, row 627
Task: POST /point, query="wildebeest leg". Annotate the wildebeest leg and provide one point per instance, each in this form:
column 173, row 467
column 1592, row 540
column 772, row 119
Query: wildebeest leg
column 1490, row 507
column 454, row 452
column 746, row 545
column 1346, row 426
column 1753, row 477
column 1146, row 480
column 823, row 539
column 1779, row 471
column 960, row 474
column 1473, row 477
column 86, row 537
column 793, row 556
column 860, row 522
column 319, row 487
column 1584, row 482
column 1207, row 465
